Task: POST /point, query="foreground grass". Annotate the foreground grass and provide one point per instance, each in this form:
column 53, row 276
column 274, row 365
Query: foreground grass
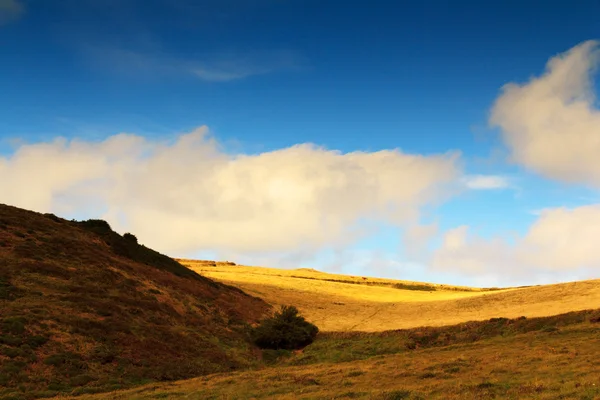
column 349, row 303
column 558, row 359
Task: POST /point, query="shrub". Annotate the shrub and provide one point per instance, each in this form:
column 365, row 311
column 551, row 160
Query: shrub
column 130, row 237
column 96, row 225
column 285, row 330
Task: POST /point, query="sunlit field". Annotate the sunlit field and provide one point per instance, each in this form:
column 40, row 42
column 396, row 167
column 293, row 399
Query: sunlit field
column 351, row 303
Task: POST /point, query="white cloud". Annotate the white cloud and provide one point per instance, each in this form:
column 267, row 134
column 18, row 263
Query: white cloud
column 486, row 182
column 10, row 10
column 561, row 241
column 416, row 239
column 188, row 195
column 471, row 254
column 550, row 124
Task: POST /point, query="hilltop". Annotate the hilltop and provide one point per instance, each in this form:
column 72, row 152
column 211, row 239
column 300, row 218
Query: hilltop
column 84, row 309
column 355, row 303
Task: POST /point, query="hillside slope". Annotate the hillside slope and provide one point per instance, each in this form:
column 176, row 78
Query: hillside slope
column 539, row 358
column 345, row 303
column 83, row 309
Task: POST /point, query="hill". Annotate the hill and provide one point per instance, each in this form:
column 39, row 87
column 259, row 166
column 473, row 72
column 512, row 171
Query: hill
column 483, row 354
column 538, row 358
column 350, row 303
column 84, row 309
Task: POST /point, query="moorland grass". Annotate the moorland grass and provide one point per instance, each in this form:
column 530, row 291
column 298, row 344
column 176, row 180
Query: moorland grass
column 83, row 310
column 510, row 359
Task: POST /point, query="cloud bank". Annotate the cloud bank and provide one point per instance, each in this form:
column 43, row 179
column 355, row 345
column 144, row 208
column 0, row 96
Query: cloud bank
column 188, row 195
column 560, row 241
column 551, row 127
column 550, row 124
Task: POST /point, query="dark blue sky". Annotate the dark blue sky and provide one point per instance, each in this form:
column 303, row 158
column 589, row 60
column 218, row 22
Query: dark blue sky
column 417, row 75
column 263, row 75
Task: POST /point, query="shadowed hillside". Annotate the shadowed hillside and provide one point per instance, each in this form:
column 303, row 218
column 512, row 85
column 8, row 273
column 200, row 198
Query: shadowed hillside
column 84, row 309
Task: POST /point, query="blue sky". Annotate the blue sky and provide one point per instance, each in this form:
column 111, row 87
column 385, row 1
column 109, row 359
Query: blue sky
column 263, row 76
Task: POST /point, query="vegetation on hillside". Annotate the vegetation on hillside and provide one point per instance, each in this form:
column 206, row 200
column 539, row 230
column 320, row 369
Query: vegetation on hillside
column 286, row 330
column 84, row 309
column 334, row 347
column 523, row 358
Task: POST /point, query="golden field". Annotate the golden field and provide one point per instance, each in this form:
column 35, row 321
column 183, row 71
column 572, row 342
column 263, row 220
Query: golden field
column 384, row 339
column 373, row 304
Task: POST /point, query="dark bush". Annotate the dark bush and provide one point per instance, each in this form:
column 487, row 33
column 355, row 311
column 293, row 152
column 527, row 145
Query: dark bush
column 97, row 225
column 130, row 237
column 285, row 330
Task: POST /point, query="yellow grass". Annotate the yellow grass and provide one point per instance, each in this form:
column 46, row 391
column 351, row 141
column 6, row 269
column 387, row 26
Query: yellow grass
column 358, row 306
column 549, row 362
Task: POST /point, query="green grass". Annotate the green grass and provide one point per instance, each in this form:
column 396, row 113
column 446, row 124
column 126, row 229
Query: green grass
column 335, row 347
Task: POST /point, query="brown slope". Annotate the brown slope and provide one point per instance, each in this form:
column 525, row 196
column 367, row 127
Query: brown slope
column 84, row 309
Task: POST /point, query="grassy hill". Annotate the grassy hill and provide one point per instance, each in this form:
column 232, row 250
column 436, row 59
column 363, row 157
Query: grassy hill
column 524, row 358
column 83, row 309
column 346, row 303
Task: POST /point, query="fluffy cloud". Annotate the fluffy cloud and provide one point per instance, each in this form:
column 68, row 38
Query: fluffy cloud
column 461, row 251
column 561, row 241
column 564, row 239
column 416, row 239
column 188, row 195
column 10, row 10
column 550, row 124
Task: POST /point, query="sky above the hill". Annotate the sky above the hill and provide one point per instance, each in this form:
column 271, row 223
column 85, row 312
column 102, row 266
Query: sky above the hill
column 442, row 141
